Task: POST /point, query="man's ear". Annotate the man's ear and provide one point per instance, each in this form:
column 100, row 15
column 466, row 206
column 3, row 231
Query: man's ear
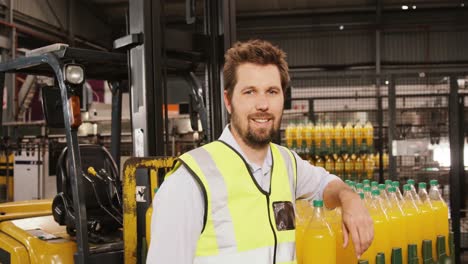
column 227, row 102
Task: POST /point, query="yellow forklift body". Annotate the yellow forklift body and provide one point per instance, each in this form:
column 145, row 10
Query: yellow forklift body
column 25, row 209
column 36, row 240
column 154, row 164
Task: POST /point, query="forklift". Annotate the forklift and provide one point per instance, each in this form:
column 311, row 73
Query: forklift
column 99, row 215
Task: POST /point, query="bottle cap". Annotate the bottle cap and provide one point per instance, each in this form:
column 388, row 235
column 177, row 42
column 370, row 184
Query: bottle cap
column 318, row 203
column 396, row 184
column 411, row 181
column 392, row 189
column 366, row 182
column 367, row 189
column 359, row 186
column 407, row 187
column 397, row 257
column 422, row 185
column 381, row 186
column 380, row 258
column 388, row 181
column 427, row 251
column 375, row 192
column 361, row 195
column 434, row 183
column 374, row 184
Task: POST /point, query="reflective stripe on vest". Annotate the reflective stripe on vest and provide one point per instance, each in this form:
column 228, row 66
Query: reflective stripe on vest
column 240, row 222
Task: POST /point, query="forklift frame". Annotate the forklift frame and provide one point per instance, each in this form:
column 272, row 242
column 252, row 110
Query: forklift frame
column 98, row 65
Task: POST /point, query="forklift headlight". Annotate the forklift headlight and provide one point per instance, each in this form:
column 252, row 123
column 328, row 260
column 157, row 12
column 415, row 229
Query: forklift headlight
column 74, row 74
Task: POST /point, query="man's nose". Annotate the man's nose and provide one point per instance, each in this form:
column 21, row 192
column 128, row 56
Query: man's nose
column 261, row 102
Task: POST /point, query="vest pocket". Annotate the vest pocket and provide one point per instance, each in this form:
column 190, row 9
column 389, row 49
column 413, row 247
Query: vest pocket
column 284, row 215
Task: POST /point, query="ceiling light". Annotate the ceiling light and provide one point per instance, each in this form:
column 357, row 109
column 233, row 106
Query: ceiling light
column 404, row 7
column 341, row 27
column 387, row 82
column 414, row 7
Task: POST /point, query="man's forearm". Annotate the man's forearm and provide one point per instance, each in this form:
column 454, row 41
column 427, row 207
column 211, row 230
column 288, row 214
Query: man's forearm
column 337, row 192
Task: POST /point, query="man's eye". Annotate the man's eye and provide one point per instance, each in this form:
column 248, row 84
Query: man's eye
column 273, row 92
column 249, row 92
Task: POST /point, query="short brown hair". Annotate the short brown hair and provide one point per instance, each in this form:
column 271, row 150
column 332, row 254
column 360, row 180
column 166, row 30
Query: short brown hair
column 253, row 51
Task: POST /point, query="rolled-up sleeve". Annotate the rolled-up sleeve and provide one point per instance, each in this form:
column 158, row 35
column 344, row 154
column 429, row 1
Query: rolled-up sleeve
column 311, row 180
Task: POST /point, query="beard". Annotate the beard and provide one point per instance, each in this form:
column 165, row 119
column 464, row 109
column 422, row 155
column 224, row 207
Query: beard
column 255, row 138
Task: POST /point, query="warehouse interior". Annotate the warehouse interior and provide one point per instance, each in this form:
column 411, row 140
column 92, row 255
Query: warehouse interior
column 395, row 71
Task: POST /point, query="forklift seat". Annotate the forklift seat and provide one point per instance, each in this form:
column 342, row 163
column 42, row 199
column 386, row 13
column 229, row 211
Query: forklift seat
column 101, row 191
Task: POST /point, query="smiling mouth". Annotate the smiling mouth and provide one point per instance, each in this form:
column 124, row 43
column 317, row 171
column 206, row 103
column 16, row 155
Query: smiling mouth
column 258, row 120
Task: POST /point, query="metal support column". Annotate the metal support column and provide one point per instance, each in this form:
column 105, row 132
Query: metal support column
column 2, row 86
column 10, row 79
column 116, row 121
column 378, row 83
column 457, row 169
column 392, row 168
column 220, row 27
column 146, row 78
column 70, row 18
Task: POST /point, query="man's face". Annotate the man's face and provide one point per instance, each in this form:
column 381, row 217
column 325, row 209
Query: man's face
column 256, row 106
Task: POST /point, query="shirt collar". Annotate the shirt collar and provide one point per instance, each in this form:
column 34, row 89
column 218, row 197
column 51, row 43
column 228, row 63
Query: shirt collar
column 229, row 139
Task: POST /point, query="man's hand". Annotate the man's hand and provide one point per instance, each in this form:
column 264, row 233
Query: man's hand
column 357, row 222
column 356, row 219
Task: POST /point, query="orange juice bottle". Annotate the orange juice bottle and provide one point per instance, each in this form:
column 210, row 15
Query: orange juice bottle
column 428, row 213
column 368, row 132
column 328, row 135
column 318, row 136
column 303, row 215
column 399, row 195
column 339, row 134
column 415, row 195
column 441, row 211
column 348, row 134
column 330, row 164
column 309, row 128
column 299, row 138
column 384, row 197
column 358, row 167
column 293, row 135
column 369, row 166
column 398, row 237
column 319, row 162
column 413, row 215
column 349, row 168
column 377, row 160
column 339, row 166
column 382, row 230
column 358, row 136
column 289, row 136
column 385, row 160
column 319, row 239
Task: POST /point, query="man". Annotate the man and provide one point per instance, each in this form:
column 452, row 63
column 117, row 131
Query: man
column 232, row 201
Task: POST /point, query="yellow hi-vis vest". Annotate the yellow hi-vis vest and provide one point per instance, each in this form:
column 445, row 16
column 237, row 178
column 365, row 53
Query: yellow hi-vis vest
column 244, row 224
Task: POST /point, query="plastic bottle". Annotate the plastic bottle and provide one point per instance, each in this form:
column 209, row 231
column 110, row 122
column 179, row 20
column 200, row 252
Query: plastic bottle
column 427, row 252
column 359, row 187
column 309, row 128
column 396, row 184
column 358, row 136
column 382, row 229
column 367, row 193
column 369, row 134
column 318, row 137
column 369, row 166
column 330, row 164
column 412, row 183
column 374, row 185
column 319, row 238
column 385, row 160
column 339, row 134
column 289, row 135
column 414, row 219
column 303, row 215
column 299, row 139
column 384, row 196
column 349, row 168
column 319, row 162
column 340, row 166
column 397, row 216
column 348, row 136
column 428, row 212
column 343, row 255
column 366, row 182
column 328, row 136
column 440, row 209
column 359, row 168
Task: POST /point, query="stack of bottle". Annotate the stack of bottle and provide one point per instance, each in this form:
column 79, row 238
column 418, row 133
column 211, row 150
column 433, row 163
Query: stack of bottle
column 326, row 139
column 411, row 226
column 343, row 151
